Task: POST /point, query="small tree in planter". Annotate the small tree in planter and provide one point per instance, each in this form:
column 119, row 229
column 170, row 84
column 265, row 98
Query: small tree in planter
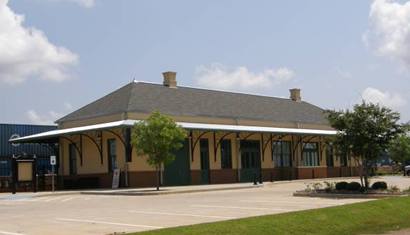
column 365, row 132
column 157, row 137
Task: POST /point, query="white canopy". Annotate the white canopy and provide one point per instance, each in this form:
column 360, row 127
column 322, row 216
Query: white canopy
column 186, row 125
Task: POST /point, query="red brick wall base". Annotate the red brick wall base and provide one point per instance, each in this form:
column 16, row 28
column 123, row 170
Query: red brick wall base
column 223, row 176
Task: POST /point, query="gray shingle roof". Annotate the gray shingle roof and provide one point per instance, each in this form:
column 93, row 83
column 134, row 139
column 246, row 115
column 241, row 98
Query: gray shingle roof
column 184, row 101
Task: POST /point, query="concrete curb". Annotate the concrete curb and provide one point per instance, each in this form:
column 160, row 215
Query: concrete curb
column 346, row 196
column 55, row 194
column 152, row 193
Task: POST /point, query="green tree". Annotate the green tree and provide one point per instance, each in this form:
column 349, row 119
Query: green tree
column 399, row 150
column 364, row 133
column 157, row 137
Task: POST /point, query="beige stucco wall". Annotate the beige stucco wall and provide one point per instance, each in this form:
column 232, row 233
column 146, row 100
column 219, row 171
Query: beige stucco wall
column 91, row 156
column 92, row 163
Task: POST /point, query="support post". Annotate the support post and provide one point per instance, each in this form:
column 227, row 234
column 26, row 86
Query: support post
column 52, row 178
column 14, row 173
column 191, row 145
column 238, row 156
column 34, row 177
column 81, row 150
column 263, row 152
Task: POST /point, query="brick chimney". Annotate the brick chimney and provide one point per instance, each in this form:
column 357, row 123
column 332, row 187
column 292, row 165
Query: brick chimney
column 170, row 79
column 295, row 95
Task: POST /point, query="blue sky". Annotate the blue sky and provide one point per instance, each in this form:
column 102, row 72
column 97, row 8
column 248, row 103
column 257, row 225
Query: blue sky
column 67, row 53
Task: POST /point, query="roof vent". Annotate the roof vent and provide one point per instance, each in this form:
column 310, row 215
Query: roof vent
column 295, row 95
column 170, row 79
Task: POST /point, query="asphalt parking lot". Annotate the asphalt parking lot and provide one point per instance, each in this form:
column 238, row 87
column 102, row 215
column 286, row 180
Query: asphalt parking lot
column 98, row 214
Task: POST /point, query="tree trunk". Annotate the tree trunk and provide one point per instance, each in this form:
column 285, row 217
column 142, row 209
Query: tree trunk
column 361, row 171
column 366, row 174
column 158, row 176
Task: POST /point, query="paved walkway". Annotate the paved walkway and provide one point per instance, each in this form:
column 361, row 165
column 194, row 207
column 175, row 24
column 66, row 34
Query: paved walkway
column 135, row 191
column 163, row 190
column 172, row 190
column 399, row 232
column 108, row 214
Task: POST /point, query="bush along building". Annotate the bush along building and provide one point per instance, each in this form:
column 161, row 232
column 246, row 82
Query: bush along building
column 232, row 137
column 38, row 155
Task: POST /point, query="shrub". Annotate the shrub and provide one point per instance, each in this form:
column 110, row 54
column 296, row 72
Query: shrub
column 407, row 190
column 308, row 188
column 353, row 186
column 394, row 189
column 317, row 186
column 341, row 185
column 379, row 185
column 329, row 186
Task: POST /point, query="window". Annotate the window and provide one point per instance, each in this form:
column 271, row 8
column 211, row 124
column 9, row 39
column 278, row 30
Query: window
column 250, row 159
column 226, row 154
column 281, row 153
column 204, row 150
column 310, row 154
column 112, row 155
column 343, row 159
column 250, row 154
column 330, row 156
column 72, row 159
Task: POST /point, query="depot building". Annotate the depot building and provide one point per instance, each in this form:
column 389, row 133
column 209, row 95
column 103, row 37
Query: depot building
column 231, row 137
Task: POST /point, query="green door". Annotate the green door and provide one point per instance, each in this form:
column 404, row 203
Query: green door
column 178, row 172
column 250, row 161
column 204, row 149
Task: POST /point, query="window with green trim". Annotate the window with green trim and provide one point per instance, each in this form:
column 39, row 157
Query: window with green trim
column 343, row 159
column 226, row 154
column 72, row 155
column 281, row 153
column 112, row 154
column 310, row 154
column 330, row 156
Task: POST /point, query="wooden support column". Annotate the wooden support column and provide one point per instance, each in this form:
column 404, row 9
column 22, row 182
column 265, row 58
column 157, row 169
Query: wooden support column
column 261, row 146
column 238, row 156
column 81, row 150
column 127, row 144
column 191, row 146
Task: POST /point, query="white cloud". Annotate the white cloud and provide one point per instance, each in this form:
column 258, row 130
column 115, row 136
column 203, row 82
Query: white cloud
column 47, row 118
column 217, row 76
column 26, row 52
column 344, row 74
column 68, row 106
column 391, row 100
column 42, row 119
column 389, row 32
column 83, row 3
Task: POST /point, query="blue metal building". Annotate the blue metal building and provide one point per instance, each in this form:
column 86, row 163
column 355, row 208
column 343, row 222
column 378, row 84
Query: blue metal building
column 7, row 150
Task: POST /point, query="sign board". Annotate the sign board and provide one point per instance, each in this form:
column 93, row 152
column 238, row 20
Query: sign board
column 25, row 171
column 116, row 178
column 53, row 160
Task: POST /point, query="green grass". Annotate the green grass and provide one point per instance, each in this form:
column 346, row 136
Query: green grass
column 359, row 218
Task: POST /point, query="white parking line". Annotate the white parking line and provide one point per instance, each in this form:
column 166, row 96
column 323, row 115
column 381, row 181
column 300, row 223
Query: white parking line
column 239, row 207
column 67, row 199
column 106, row 222
column 293, row 202
column 179, row 214
column 52, row 199
column 9, row 233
